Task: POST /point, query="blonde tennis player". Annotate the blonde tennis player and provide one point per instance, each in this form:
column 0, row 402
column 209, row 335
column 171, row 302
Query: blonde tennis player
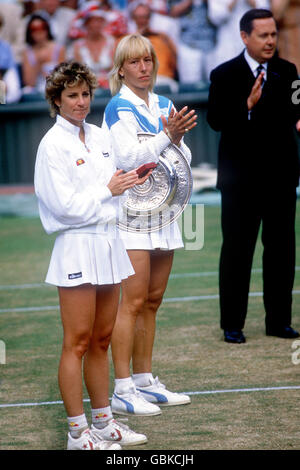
column 135, row 108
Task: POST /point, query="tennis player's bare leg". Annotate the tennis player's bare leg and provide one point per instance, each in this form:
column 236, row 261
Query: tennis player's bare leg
column 134, row 295
column 134, row 331
column 96, row 362
column 80, row 313
column 160, row 268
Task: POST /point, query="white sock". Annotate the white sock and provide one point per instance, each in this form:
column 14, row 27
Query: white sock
column 142, row 380
column 123, row 384
column 101, row 416
column 77, row 424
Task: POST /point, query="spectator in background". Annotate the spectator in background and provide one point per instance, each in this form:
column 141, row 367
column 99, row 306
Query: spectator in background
column 11, row 29
column 8, row 70
column 225, row 15
column 58, row 17
column 160, row 20
column 196, row 41
column 8, row 73
column 73, row 4
column 164, row 47
column 287, row 15
column 97, row 48
column 40, row 56
column 116, row 21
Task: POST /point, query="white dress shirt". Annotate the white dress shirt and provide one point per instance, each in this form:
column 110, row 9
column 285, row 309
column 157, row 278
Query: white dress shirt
column 253, row 64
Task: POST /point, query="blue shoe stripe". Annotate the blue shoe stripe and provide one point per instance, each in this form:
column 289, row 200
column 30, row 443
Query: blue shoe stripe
column 159, row 397
column 128, row 405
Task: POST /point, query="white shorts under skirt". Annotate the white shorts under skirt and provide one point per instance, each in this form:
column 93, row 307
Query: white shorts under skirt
column 168, row 238
column 88, row 258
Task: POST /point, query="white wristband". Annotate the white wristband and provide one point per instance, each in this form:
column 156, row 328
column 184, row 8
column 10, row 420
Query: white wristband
column 168, row 133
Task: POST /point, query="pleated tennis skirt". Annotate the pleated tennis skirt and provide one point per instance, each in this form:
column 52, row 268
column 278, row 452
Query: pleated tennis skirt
column 94, row 258
column 167, row 238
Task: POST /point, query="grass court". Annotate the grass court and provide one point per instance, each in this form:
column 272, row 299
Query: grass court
column 243, row 396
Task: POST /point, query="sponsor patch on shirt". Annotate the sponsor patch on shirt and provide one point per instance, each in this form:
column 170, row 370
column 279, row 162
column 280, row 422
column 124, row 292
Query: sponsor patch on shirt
column 80, row 161
column 105, row 154
column 75, row 275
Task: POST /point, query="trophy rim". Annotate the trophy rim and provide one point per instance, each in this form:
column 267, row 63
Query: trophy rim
column 175, row 201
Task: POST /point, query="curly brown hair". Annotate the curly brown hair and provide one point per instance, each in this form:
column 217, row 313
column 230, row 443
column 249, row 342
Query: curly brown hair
column 65, row 74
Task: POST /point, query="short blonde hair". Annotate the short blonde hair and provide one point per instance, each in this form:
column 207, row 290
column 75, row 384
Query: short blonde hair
column 67, row 74
column 130, row 46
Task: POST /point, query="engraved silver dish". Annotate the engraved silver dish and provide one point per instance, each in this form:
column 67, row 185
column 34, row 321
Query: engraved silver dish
column 163, row 197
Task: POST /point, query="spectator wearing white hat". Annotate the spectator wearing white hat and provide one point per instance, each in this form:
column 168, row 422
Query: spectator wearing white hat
column 97, row 48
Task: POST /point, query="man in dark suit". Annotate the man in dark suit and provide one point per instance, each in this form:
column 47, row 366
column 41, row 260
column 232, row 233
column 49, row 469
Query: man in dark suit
column 258, row 172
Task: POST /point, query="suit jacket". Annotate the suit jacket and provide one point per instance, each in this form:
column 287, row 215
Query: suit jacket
column 262, row 151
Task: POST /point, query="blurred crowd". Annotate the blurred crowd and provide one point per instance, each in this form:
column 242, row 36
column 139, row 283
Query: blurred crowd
column 191, row 37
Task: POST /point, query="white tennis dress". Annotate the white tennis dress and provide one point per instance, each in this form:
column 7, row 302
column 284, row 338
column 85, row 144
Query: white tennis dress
column 71, row 186
column 125, row 116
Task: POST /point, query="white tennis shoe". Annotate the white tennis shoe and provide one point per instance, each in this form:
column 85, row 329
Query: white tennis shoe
column 157, row 393
column 130, row 402
column 119, row 432
column 88, row 441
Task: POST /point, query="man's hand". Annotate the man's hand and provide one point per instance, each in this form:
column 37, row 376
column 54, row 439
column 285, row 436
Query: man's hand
column 298, row 125
column 256, row 92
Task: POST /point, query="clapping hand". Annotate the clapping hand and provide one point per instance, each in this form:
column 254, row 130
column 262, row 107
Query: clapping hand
column 256, row 92
column 120, row 181
column 179, row 123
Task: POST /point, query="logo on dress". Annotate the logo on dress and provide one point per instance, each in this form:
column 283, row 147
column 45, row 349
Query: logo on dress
column 80, row 161
column 74, row 275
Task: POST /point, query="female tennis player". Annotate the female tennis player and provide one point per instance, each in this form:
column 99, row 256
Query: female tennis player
column 135, row 108
column 78, row 190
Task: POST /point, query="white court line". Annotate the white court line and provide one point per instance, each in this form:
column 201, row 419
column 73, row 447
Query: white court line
column 212, row 296
column 22, row 286
column 167, row 300
column 172, row 276
column 211, row 273
column 30, row 309
column 202, row 392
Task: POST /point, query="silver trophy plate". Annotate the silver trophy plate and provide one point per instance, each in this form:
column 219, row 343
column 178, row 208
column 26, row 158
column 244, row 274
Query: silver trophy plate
column 162, row 198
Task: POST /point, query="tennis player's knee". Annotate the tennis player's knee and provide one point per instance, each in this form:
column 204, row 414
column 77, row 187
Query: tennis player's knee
column 77, row 345
column 135, row 304
column 101, row 342
column 154, row 299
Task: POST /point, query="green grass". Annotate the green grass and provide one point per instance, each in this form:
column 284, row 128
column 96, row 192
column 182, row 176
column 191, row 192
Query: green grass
column 189, row 355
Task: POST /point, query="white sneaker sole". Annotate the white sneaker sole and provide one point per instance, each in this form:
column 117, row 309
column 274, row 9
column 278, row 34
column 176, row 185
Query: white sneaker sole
column 137, row 443
column 185, row 402
column 164, row 400
column 127, row 413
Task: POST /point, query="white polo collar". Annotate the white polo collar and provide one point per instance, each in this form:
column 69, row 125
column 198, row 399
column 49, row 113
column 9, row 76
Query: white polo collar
column 68, row 126
column 127, row 93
